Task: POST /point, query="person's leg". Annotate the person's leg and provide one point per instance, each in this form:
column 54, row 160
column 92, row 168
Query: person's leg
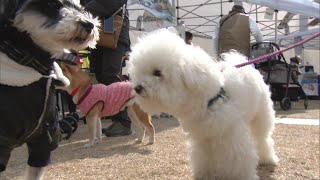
column 110, row 65
column 96, row 61
column 121, row 125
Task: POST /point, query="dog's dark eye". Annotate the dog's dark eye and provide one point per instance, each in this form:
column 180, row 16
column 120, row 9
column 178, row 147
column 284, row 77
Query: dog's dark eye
column 157, row 72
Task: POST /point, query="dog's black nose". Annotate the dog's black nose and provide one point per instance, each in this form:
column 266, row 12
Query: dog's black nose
column 88, row 26
column 138, row 89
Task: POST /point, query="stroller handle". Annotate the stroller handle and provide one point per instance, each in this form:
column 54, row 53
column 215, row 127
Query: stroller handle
column 270, row 43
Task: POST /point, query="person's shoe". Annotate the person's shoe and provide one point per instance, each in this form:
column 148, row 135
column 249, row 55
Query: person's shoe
column 116, row 129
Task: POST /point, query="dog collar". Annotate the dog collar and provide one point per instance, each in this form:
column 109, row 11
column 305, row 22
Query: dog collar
column 85, row 94
column 72, row 58
column 74, row 91
column 221, row 94
column 19, row 47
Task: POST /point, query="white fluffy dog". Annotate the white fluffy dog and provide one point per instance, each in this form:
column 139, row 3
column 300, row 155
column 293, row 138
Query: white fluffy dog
column 226, row 111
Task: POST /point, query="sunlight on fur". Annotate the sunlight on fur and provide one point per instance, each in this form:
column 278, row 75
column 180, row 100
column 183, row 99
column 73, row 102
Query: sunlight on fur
column 69, row 27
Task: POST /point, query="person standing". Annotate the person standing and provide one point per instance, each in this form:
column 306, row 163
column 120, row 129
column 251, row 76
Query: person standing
column 233, row 32
column 108, row 62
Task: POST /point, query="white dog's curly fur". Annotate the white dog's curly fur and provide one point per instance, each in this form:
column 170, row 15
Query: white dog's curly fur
column 226, row 111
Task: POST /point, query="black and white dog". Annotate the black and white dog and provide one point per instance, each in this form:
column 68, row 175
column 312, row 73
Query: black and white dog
column 33, row 34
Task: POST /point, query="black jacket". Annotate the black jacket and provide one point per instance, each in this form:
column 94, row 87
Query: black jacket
column 105, row 8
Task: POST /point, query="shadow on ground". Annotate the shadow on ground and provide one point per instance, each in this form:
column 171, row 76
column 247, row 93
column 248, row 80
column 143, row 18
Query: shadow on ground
column 265, row 172
column 110, row 146
column 298, row 110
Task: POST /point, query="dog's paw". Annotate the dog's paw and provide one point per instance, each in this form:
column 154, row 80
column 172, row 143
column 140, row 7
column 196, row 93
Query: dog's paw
column 138, row 141
column 273, row 160
column 98, row 140
column 151, row 140
column 88, row 145
column 150, row 143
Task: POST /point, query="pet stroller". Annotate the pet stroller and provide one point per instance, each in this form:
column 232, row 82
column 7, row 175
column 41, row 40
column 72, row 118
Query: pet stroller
column 279, row 74
column 68, row 123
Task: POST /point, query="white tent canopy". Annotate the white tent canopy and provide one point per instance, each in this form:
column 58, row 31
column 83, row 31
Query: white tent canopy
column 302, row 7
column 201, row 16
column 288, row 21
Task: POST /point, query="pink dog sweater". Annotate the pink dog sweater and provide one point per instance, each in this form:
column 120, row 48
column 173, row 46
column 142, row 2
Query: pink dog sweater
column 113, row 96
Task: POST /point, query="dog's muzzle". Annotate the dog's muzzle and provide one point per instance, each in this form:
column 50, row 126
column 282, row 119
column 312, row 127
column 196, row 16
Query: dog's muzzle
column 87, row 26
column 138, row 89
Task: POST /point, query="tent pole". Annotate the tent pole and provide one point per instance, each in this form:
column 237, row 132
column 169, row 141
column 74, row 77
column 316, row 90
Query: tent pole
column 256, row 13
column 221, row 8
column 303, row 27
column 276, row 26
column 177, row 9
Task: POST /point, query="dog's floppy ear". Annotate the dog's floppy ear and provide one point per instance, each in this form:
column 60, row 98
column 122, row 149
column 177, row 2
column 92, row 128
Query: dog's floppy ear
column 201, row 79
column 193, row 78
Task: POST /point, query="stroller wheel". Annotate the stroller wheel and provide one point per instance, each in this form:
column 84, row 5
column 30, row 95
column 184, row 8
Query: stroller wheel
column 285, row 104
column 74, row 115
column 73, row 122
column 65, row 129
column 305, row 104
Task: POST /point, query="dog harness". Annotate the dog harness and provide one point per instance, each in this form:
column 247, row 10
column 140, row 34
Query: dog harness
column 28, row 113
column 19, row 47
column 113, row 96
column 221, row 94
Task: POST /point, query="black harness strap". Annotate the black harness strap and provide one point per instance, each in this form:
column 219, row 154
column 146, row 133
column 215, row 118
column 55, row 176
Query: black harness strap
column 19, row 47
column 221, row 94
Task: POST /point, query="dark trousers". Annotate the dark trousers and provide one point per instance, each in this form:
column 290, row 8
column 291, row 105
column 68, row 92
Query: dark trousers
column 108, row 64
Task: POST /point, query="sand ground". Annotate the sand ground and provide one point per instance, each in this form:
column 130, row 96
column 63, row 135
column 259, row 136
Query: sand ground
column 120, row 158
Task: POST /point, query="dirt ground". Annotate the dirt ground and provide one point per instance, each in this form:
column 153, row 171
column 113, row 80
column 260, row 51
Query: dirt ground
column 298, row 110
column 120, row 159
